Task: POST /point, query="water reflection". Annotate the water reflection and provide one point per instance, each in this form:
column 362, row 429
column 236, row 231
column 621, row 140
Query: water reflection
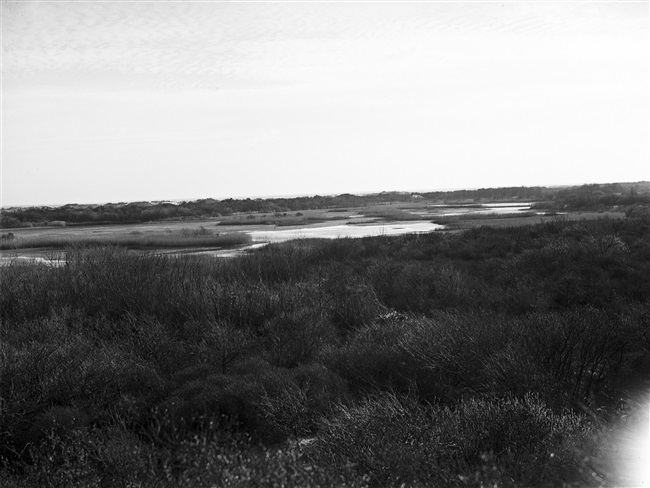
column 336, row 231
column 264, row 237
column 476, row 209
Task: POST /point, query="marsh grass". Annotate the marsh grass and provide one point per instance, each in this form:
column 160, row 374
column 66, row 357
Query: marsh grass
column 282, row 220
column 185, row 238
column 391, row 213
column 450, row 219
column 522, row 218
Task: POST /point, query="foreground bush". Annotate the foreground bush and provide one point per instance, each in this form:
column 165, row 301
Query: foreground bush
column 116, row 458
column 505, row 442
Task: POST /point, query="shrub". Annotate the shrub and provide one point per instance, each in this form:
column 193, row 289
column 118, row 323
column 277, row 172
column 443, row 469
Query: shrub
column 440, row 359
column 297, row 337
column 268, row 403
column 589, row 353
column 352, row 302
column 506, row 441
column 228, row 402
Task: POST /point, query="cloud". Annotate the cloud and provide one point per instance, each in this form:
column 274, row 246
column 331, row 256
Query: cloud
column 203, row 45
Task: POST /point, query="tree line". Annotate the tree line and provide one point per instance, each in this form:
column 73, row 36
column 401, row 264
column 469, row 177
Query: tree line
column 562, row 198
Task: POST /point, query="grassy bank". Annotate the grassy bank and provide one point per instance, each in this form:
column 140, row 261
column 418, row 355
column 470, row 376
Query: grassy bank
column 184, row 238
column 468, row 221
column 489, row 356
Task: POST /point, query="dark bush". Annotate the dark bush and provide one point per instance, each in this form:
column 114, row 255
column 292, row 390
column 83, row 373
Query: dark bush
column 505, row 442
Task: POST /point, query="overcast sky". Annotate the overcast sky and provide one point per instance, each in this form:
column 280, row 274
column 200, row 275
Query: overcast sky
column 129, row 101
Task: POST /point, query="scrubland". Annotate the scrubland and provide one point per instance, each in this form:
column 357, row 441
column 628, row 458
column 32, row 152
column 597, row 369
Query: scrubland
column 486, row 357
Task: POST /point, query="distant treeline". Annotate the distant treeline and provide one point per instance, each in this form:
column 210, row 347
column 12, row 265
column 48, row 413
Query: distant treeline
column 583, row 197
column 600, row 197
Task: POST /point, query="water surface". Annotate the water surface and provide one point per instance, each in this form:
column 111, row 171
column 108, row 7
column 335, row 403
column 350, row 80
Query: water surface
column 264, row 237
column 343, row 230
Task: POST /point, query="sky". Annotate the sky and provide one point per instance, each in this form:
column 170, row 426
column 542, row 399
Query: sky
column 133, row 101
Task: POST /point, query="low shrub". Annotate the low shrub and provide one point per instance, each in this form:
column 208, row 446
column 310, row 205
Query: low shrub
column 440, row 359
column 296, row 338
column 507, row 442
column 269, row 403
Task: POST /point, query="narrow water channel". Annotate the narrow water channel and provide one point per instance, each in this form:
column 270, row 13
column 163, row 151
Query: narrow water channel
column 264, row 237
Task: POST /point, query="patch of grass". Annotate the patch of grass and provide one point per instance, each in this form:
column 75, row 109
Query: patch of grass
column 185, row 238
column 391, row 213
column 288, row 220
column 468, row 221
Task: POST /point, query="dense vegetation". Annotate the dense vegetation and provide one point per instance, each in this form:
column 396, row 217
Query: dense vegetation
column 487, row 357
column 633, row 197
column 147, row 211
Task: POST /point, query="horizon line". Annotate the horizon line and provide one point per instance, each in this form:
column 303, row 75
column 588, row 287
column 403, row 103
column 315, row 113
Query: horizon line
column 310, row 195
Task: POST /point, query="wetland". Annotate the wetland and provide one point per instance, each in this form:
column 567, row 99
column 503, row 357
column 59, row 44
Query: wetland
column 500, row 350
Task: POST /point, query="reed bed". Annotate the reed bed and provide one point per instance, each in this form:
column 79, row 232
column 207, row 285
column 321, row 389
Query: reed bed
column 131, row 241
